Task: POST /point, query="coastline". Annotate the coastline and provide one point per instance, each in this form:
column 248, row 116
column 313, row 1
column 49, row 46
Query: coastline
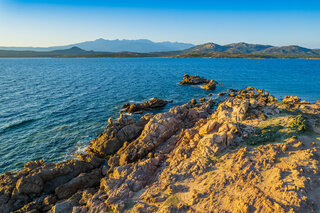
column 145, row 156
column 24, row 57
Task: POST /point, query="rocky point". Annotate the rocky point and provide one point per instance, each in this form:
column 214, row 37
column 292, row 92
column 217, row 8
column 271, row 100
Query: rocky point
column 250, row 153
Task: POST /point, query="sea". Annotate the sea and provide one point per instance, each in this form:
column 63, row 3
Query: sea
column 52, row 107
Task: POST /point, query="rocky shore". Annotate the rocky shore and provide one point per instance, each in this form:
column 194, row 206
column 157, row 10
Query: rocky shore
column 248, row 153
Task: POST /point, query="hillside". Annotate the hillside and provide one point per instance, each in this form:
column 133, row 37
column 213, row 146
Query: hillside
column 247, row 50
column 55, row 53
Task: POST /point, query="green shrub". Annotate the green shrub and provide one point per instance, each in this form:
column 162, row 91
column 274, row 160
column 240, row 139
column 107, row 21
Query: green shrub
column 298, row 123
column 264, row 135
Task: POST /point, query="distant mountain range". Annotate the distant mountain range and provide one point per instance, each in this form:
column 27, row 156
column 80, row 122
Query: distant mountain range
column 139, row 46
column 208, row 50
column 244, row 48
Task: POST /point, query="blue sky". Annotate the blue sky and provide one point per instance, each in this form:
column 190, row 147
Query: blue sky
column 58, row 22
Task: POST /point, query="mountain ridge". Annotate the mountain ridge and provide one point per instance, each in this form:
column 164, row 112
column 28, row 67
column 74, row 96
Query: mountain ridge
column 104, row 45
column 207, row 50
column 245, row 48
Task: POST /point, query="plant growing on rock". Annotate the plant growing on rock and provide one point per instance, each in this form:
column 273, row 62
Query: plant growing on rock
column 298, row 123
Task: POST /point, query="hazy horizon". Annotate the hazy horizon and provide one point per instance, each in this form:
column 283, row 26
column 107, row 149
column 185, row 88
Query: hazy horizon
column 75, row 43
column 35, row 23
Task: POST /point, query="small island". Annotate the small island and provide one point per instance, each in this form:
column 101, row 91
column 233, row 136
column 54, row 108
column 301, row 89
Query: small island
column 196, row 80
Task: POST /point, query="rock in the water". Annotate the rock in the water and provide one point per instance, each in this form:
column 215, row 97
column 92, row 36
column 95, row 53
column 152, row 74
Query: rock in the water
column 195, row 80
column 211, row 85
column 187, row 79
column 148, row 105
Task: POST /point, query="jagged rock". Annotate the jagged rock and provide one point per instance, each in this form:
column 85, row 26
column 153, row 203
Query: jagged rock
column 211, row 85
column 202, row 99
column 160, row 128
column 111, row 140
column 193, row 101
column 221, row 94
column 19, row 188
column 64, row 206
column 187, row 79
column 82, row 181
column 195, row 80
column 250, row 88
column 291, row 99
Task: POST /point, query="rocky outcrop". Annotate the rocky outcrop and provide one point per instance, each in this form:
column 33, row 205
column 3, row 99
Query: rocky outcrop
column 291, row 99
column 148, row 105
column 116, row 134
column 38, row 179
column 251, row 153
column 195, row 80
column 211, row 85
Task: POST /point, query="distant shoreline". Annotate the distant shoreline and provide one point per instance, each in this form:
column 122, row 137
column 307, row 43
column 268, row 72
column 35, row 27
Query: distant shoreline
column 40, row 57
column 209, row 50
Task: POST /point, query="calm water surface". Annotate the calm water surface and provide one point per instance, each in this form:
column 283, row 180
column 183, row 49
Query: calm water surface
column 50, row 108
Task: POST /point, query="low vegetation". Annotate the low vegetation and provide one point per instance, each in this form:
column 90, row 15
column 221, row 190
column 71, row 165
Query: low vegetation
column 278, row 129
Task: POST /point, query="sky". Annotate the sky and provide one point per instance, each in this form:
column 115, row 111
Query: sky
column 42, row 23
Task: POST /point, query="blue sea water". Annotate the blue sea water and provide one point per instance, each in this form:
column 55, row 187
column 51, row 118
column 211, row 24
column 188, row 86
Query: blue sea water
column 50, row 108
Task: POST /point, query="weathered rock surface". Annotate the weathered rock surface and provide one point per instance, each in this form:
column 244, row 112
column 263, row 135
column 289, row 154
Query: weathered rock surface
column 148, row 105
column 251, row 154
column 111, row 140
column 38, row 179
